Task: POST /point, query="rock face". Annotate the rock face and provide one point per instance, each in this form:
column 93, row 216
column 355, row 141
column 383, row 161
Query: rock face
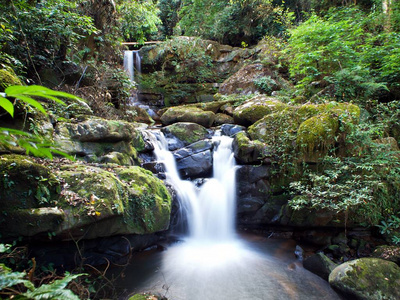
column 367, row 278
column 253, row 78
column 80, row 201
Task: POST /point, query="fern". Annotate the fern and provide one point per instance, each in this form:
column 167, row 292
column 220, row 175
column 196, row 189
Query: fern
column 55, row 290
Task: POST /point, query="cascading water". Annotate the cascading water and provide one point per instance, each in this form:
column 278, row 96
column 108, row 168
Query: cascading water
column 209, row 210
column 132, row 62
column 213, row 262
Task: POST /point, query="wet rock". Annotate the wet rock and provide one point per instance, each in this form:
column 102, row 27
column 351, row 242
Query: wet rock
column 320, row 265
column 223, row 119
column 231, row 129
column 195, row 160
column 367, row 278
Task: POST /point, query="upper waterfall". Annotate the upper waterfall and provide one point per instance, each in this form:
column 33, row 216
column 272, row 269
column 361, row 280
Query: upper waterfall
column 132, row 62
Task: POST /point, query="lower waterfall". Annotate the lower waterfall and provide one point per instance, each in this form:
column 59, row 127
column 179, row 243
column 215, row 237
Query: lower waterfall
column 212, row 261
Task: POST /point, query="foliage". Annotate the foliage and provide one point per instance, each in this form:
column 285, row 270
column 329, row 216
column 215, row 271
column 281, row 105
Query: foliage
column 58, row 28
column 187, row 58
column 364, row 182
column 139, row 19
column 348, row 48
column 30, row 142
column 168, row 14
column 234, row 22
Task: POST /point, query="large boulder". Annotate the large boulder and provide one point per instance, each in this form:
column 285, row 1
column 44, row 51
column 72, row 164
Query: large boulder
column 74, row 201
column 256, row 108
column 367, row 278
column 188, row 114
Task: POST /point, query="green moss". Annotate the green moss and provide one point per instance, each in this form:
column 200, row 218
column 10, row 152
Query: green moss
column 99, row 190
column 148, row 201
column 256, row 108
column 25, row 184
column 8, row 78
column 318, row 132
column 187, row 132
column 367, row 278
column 188, row 114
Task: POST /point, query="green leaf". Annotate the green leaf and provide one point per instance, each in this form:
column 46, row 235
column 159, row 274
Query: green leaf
column 7, row 105
column 9, row 279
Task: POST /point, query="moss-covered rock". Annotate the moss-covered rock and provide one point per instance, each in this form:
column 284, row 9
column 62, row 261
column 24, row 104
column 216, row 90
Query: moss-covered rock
column 25, row 183
column 8, row 78
column 310, row 128
column 188, row 133
column 91, row 202
column 223, row 119
column 256, row 108
column 318, row 132
column 188, row 114
column 367, row 278
column 247, row 151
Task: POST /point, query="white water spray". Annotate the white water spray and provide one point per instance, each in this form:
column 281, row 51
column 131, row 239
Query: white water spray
column 210, row 210
column 132, row 62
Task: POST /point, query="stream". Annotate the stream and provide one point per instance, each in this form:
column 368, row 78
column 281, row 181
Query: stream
column 213, row 261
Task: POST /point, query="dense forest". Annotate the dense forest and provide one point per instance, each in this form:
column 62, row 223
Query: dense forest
column 316, row 52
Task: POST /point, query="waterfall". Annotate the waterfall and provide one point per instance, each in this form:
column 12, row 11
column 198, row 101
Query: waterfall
column 210, row 209
column 132, row 62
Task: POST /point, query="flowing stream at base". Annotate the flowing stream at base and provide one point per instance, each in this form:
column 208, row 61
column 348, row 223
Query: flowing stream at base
column 213, row 262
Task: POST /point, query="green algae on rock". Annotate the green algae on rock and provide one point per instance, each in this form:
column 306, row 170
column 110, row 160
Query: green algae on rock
column 187, row 132
column 256, row 108
column 367, row 278
column 188, row 114
column 79, row 200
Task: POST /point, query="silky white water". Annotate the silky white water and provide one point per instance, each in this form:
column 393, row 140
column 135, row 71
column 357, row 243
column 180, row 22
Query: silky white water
column 132, row 61
column 212, row 262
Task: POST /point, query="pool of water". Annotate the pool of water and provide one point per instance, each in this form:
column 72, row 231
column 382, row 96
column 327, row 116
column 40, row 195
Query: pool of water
column 250, row 267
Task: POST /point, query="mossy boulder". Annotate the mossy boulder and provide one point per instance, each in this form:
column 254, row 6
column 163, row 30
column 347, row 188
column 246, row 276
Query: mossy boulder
column 256, row 108
column 97, row 140
column 248, row 151
column 188, row 114
column 223, row 119
column 8, row 78
column 74, row 201
column 308, row 129
column 367, row 278
column 185, row 132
